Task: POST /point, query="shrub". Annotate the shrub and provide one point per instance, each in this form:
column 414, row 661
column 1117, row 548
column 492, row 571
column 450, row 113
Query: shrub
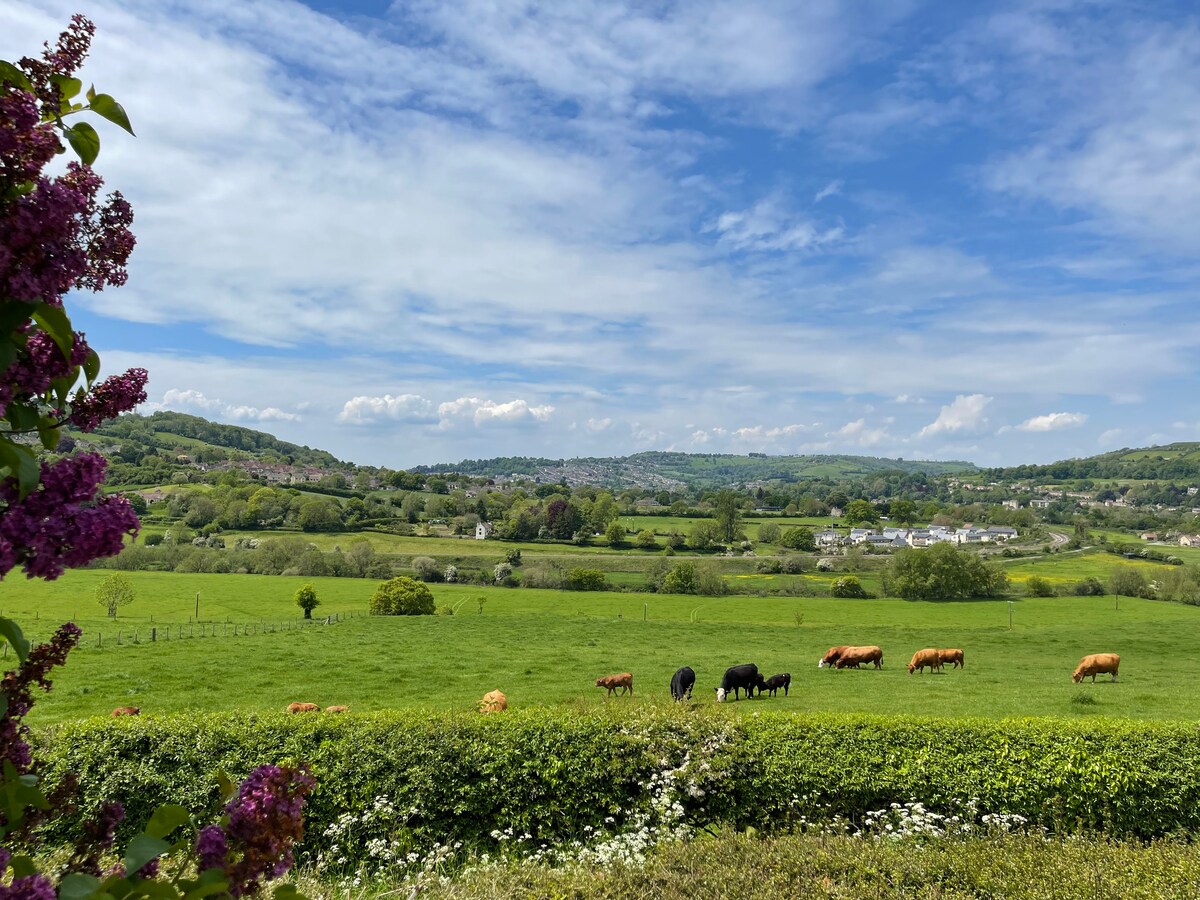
column 1036, row 586
column 769, row 566
column 1089, row 587
column 502, row 573
column 450, row 576
column 794, row 564
column 645, row 540
column 585, row 580
column 152, row 540
column 402, row 597
column 825, row 564
column 426, row 568
column 849, row 587
column 1133, row 779
column 512, row 556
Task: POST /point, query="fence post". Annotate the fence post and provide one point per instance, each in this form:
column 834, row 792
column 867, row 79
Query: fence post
column 153, row 635
column 118, row 637
column 135, row 635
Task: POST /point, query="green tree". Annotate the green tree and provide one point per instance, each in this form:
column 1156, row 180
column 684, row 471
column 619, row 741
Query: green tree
column 321, row 515
column 645, row 540
column 681, row 579
column 1126, row 581
column 402, row 596
column 703, row 535
column 942, row 572
column 615, row 534
column 114, row 592
column 728, row 514
column 306, row 599
column 1036, row 586
column 861, row 512
column 426, row 568
column 799, row 539
column 902, row 512
column 768, row 533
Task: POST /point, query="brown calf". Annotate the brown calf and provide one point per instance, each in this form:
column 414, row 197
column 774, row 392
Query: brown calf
column 1095, row 664
column 127, row 711
column 493, row 701
column 952, row 656
column 303, row 707
column 923, row 658
column 624, row 681
column 336, row 709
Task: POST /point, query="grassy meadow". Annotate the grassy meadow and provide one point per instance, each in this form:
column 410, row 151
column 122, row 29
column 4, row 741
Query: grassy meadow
column 545, row 647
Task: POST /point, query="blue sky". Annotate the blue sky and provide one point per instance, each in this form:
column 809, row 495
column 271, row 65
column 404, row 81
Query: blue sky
column 421, row 232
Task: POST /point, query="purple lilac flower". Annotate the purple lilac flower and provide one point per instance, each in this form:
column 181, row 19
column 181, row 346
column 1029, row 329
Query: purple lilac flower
column 264, row 820
column 31, row 887
column 114, row 395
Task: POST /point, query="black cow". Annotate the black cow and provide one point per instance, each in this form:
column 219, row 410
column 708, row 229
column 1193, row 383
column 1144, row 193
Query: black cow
column 681, row 683
column 744, row 677
column 774, row 683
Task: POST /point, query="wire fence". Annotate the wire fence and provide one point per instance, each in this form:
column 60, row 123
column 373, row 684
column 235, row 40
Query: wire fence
column 152, row 633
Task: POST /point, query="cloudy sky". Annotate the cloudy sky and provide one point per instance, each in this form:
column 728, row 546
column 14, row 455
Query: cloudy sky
column 426, row 231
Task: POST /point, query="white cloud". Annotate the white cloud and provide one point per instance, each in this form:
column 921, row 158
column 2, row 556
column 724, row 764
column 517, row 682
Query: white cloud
column 859, row 434
column 402, row 408
column 830, row 190
column 767, row 226
column 1053, row 422
column 597, row 425
column 488, row 412
column 965, row 413
column 1111, row 437
column 195, row 402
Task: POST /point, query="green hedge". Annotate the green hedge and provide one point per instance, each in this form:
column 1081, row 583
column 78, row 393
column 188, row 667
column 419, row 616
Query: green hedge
column 563, row 774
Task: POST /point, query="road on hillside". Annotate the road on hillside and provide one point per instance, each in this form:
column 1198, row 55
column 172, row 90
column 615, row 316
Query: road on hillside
column 1057, row 539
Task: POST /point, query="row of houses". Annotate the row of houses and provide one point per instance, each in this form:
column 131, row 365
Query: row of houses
column 892, row 538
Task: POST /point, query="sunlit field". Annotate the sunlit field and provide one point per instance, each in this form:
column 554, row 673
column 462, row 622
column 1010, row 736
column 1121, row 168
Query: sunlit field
column 546, row 647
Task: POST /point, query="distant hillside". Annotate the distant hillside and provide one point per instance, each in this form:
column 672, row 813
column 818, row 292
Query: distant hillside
column 1169, row 462
column 209, row 441
column 664, row 470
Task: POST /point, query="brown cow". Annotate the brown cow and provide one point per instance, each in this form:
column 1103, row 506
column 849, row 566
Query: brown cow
column 127, row 711
column 336, row 709
column 303, row 707
column 831, row 656
column 624, row 681
column 922, row 658
column 1094, row 664
column 952, row 656
column 853, row 657
column 493, row 701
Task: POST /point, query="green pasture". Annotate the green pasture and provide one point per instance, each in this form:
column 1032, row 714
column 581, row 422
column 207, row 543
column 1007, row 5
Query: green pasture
column 547, row 647
column 1065, row 568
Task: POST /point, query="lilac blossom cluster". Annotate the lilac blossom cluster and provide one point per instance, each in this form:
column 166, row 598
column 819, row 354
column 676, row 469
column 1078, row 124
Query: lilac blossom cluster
column 112, row 396
column 17, row 688
column 62, row 524
column 263, row 821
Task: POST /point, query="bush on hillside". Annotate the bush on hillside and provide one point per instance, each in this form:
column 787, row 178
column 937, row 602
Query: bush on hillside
column 848, row 587
column 585, row 580
column 402, row 597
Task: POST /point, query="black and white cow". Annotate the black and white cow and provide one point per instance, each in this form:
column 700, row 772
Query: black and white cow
column 738, row 677
column 681, row 683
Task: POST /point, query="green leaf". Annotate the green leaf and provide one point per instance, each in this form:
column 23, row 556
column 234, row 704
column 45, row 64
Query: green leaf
column 78, row 886
column 287, row 892
column 227, row 785
column 166, row 819
column 91, row 92
column 84, row 140
column 106, row 106
column 68, row 87
column 8, row 353
column 21, row 463
column 50, row 436
column 91, row 366
column 210, row 883
column 22, row 866
column 142, row 849
column 10, row 74
column 56, row 323
column 11, row 632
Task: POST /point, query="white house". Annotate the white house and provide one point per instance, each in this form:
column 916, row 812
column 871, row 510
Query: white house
column 482, row 530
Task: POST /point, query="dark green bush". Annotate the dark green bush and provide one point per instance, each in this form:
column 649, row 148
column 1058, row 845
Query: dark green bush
column 585, row 580
column 551, row 773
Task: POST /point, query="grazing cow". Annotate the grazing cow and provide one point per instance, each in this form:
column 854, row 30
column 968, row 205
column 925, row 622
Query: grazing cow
column 127, row 711
column 831, row 656
column 493, row 701
column 1096, row 663
column 744, row 677
column 774, row 683
column 923, row 658
column 336, row 709
column 624, row 681
column 682, row 682
column 853, row 657
column 303, row 707
column 952, row 656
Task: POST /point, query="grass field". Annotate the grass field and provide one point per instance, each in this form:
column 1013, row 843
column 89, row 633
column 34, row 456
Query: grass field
column 546, row 647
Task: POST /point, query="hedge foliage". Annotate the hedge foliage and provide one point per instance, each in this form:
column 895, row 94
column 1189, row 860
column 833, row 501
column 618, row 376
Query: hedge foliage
column 563, row 774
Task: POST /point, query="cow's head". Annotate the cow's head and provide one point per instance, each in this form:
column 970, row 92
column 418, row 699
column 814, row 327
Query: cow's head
column 821, row 663
column 721, row 694
column 1077, row 676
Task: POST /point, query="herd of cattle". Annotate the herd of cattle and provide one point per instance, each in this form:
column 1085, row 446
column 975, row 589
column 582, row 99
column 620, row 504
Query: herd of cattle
column 747, row 678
